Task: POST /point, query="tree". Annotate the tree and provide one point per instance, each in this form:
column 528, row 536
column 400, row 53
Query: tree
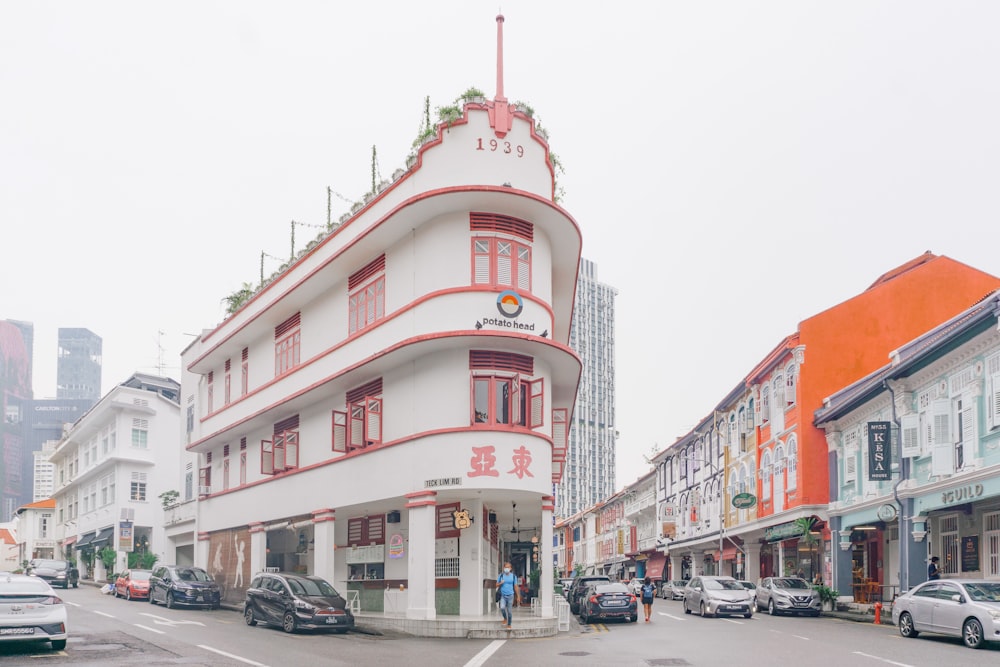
column 805, row 524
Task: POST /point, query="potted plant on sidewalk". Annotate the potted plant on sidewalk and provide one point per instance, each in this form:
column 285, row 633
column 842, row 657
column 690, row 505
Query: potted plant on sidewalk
column 827, row 597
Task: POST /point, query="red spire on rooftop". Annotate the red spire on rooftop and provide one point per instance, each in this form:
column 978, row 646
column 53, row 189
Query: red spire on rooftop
column 501, row 115
column 499, row 97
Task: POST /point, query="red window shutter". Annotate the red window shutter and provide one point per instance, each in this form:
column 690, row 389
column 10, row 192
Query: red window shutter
column 501, row 361
column 559, row 433
column 279, row 452
column 506, row 224
column 355, row 531
column 373, row 388
column 374, row 427
column 266, row 457
column 364, row 274
column 446, row 521
column 537, row 398
column 291, row 449
column 357, row 425
column 287, row 326
column 287, row 424
column 339, row 431
column 376, row 529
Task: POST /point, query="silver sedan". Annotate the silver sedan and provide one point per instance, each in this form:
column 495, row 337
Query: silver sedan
column 717, row 596
column 966, row 608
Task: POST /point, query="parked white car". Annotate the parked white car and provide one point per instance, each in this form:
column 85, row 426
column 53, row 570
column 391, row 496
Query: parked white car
column 31, row 611
column 966, row 608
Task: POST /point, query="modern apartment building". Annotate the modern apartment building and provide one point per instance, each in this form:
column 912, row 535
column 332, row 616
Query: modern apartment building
column 78, row 369
column 589, row 476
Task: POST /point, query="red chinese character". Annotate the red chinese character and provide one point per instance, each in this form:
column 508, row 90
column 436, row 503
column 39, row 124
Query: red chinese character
column 482, row 462
column 522, row 459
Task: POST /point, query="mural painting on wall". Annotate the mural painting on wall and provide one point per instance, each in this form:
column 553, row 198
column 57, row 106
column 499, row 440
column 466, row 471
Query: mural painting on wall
column 229, row 562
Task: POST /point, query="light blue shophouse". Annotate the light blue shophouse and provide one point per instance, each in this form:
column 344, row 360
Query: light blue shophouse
column 936, row 488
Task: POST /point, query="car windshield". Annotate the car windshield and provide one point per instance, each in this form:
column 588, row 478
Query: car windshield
column 984, row 592
column 54, row 564
column 139, row 575
column 318, row 587
column 790, row 582
column 722, row 585
column 192, row 574
column 747, row 585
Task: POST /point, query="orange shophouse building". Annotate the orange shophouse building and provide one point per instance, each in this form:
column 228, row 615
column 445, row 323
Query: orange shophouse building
column 829, row 351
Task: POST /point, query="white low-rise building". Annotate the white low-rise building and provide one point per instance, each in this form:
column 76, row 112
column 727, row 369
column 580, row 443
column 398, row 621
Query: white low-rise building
column 111, row 467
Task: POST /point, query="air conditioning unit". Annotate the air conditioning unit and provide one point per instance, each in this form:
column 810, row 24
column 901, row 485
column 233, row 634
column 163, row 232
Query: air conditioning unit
column 204, row 490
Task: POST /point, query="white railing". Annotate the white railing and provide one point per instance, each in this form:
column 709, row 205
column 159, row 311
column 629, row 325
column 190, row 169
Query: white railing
column 562, row 613
column 354, row 601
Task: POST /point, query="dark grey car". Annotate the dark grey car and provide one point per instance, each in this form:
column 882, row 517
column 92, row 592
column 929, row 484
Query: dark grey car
column 57, row 573
column 579, row 587
column 183, row 585
column 296, row 601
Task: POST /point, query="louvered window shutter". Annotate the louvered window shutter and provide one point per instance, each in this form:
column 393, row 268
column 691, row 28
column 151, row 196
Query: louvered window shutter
column 537, row 403
column 267, row 457
column 850, row 466
column 993, row 401
column 339, row 431
column 481, row 262
column 910, row 425
column 374, row 434
column 505, row 261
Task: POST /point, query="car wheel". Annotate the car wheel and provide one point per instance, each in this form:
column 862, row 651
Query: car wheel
column 685, row 603
column 288, row 622
column 972, row 633
column 249, row 617
column 634, row 619
column 58, row 644
column 906, row 626
column 151, row 600
column 748, row 614
column 170, row 600
column 128, row 594
column 701, row 609
column 771, row 609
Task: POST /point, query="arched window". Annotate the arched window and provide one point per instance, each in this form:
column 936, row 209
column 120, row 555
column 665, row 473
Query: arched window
column 765, row 475
column 791, row 377
column 765, row 404
column 793, row 455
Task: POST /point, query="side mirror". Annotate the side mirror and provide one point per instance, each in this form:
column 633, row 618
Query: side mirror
column 957, row 598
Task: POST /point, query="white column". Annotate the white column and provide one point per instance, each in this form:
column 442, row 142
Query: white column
column 470, row 544
column 781, row 560
column 420, row 560
column 546, row 585
column 258, row 548
column 324, row 521
column 675, row 567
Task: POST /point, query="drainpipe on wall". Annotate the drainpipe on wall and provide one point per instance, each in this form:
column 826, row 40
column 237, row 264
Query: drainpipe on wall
column 903, row 516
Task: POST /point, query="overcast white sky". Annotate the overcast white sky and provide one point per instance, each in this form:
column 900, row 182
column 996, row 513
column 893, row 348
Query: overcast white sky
column 735, row 167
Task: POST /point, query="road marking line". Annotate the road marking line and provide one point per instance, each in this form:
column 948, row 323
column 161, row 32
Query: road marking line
column 875, row 657
column 801, row 637
column 103, row 614
column 71, row 603
column 729, row 620
column 230, row 655
column 146, row 627
column 676, row 618
column 480, row 658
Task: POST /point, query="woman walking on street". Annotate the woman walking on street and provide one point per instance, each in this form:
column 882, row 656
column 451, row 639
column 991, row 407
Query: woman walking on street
column 647, row 591
column 507, row 583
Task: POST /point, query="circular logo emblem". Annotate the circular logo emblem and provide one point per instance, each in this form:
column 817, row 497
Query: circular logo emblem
column 887, row 513
column 509, row 303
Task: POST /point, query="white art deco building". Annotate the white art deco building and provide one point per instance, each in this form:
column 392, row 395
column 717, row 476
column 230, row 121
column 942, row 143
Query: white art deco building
column 390, row 411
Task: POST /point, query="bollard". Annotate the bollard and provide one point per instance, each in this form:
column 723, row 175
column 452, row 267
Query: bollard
column 878, row 613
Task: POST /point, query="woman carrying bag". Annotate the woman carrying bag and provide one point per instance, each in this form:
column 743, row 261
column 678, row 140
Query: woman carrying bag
column 647, row 591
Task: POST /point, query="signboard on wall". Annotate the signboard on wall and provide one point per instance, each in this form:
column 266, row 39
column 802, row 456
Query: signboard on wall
column 879, row 451
column 125, row 536
column 970, row 553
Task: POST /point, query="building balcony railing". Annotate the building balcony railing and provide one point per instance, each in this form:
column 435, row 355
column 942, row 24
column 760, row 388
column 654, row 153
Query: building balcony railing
column 180, row 513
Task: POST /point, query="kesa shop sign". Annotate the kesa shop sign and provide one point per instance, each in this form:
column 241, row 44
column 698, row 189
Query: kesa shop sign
column 509, row 305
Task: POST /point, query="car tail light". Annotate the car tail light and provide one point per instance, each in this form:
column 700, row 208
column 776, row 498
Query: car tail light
column 52, row 599
column 631, row 599
column 593, row 599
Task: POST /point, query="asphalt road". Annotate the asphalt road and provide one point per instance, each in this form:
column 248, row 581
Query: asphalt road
column 107, row 632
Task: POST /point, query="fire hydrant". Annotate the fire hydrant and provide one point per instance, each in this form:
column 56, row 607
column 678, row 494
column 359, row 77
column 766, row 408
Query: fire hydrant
column 878, row 613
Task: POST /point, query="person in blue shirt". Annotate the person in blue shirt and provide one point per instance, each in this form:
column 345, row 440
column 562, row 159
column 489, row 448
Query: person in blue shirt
column 647, row 591
column 933, row 571
column 507, row 583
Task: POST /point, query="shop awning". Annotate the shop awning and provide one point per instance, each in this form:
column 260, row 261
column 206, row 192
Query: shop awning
column 103, row 537
column 86, row 540
column 69, row 541
column 654, row 565
column 729, row 553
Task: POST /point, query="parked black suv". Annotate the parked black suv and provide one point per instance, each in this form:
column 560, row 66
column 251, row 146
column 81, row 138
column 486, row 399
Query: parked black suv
column 183, row 585
column 296, row 601
column 57, row 573
column 579, row 586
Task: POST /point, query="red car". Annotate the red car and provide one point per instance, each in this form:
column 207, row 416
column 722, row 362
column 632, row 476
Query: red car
column 133, row 584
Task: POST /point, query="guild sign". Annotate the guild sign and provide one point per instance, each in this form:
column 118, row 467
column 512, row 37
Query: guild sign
column 742, row 501
column 462, row 519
